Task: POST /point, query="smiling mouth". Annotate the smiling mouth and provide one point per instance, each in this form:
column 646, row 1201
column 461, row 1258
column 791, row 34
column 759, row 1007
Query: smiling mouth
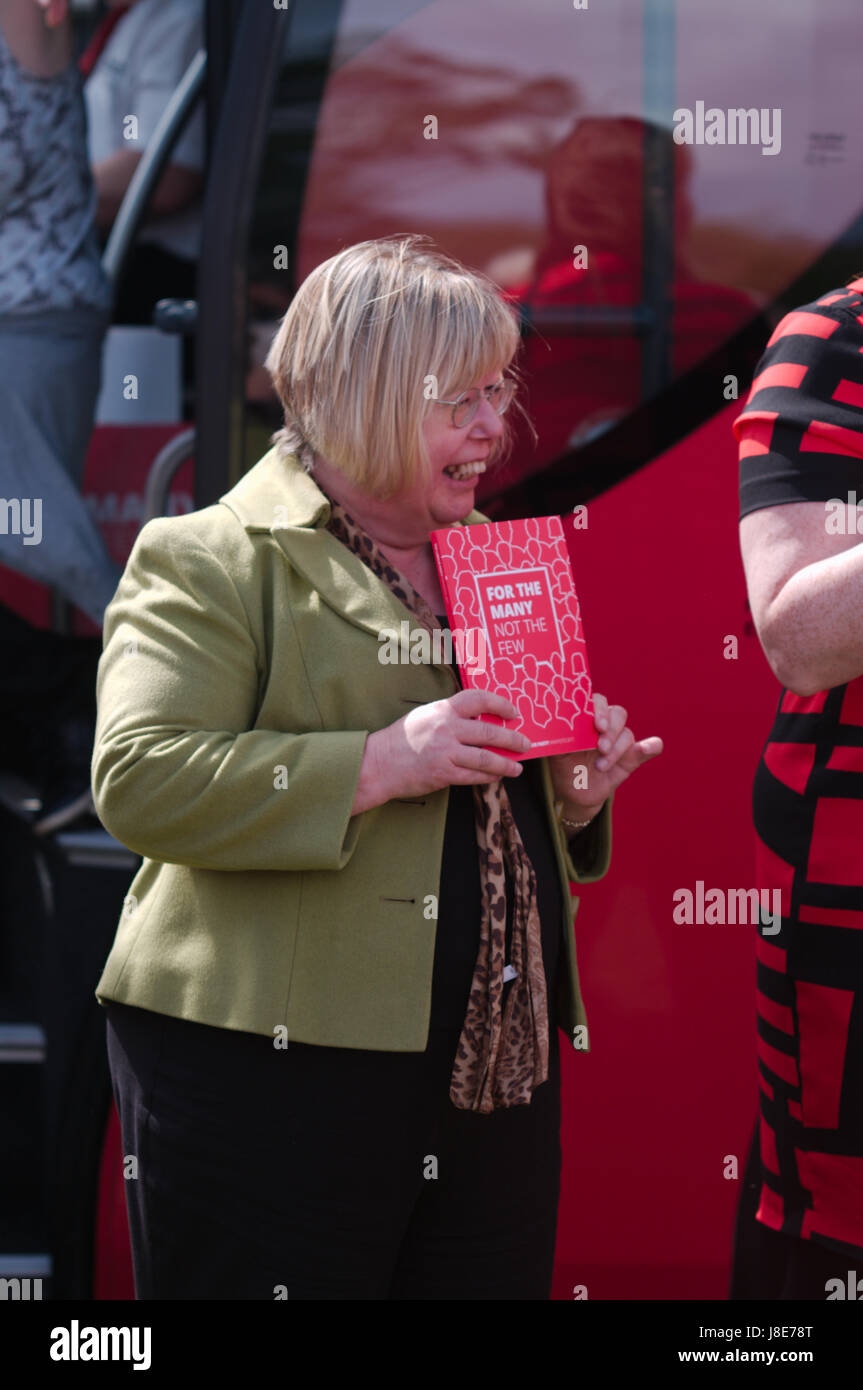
column 462, row 471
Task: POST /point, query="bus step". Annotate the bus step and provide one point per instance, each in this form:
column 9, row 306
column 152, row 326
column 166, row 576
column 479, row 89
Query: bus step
column 21, row 1042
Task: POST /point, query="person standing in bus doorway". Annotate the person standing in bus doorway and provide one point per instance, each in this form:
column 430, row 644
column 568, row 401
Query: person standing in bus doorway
column 800, row 1221
column 335, row 1081
column 148, row 47
column 54, row 309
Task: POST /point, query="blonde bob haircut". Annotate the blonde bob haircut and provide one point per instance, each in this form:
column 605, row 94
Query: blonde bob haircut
column 371, row 338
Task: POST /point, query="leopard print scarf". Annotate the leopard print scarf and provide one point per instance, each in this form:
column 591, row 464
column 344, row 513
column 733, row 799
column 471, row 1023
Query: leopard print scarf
column 502, row 1053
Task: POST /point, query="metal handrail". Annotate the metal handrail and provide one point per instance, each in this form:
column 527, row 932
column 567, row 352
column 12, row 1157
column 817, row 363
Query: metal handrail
column 146, row 176
column 162, row 472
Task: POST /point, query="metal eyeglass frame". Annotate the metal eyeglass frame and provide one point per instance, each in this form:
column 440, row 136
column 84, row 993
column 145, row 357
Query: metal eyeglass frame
column 505, row 382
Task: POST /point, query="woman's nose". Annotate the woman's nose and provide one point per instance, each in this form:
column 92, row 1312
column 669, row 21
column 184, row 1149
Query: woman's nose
column 488, row 420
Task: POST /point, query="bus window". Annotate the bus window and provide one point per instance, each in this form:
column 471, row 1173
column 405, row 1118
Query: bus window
column 578, row 158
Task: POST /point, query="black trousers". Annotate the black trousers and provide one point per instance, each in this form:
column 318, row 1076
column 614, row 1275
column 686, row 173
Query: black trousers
column 326, row 1173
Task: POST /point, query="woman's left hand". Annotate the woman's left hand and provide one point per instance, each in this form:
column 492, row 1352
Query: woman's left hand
column 617, row 756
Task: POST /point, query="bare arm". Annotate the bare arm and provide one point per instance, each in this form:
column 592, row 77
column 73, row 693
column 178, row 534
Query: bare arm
column 806, row 594
column 38, row 34
column 177, row 187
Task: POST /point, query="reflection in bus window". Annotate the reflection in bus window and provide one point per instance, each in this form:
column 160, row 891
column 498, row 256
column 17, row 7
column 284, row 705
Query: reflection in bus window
column 513, row 135
column 580, row 379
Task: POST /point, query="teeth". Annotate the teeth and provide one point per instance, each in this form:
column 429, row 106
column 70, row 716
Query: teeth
column 466, row 470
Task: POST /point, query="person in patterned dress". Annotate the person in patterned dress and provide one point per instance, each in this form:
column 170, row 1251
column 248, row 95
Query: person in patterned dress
column 800, row 1223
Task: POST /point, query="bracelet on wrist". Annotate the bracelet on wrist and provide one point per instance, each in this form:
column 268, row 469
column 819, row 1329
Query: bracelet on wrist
column 574, row 824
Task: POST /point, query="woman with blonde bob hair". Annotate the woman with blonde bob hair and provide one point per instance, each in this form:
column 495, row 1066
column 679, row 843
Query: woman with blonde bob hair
column 334, row 994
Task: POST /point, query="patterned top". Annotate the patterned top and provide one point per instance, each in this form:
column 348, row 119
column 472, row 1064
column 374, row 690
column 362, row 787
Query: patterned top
column 800, row 430
column 49, row 252
column 801, row 440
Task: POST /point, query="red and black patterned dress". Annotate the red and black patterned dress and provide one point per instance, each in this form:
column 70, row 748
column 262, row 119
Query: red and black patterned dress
column 801, row 440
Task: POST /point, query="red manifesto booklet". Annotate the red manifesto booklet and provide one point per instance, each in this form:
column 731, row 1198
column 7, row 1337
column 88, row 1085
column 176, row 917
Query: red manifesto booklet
column 516, row 625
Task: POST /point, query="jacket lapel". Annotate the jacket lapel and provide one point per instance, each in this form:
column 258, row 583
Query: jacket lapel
column 278, row 496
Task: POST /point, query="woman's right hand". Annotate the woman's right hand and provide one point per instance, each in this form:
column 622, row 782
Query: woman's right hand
column 439, row 745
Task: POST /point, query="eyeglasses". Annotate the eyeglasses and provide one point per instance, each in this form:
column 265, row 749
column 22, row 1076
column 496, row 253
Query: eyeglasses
column 465, row 406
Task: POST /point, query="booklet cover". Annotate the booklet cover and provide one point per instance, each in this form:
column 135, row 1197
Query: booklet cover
column 516, row 625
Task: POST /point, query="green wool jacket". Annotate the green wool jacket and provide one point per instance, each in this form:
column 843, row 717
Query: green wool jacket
column 238, row 682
